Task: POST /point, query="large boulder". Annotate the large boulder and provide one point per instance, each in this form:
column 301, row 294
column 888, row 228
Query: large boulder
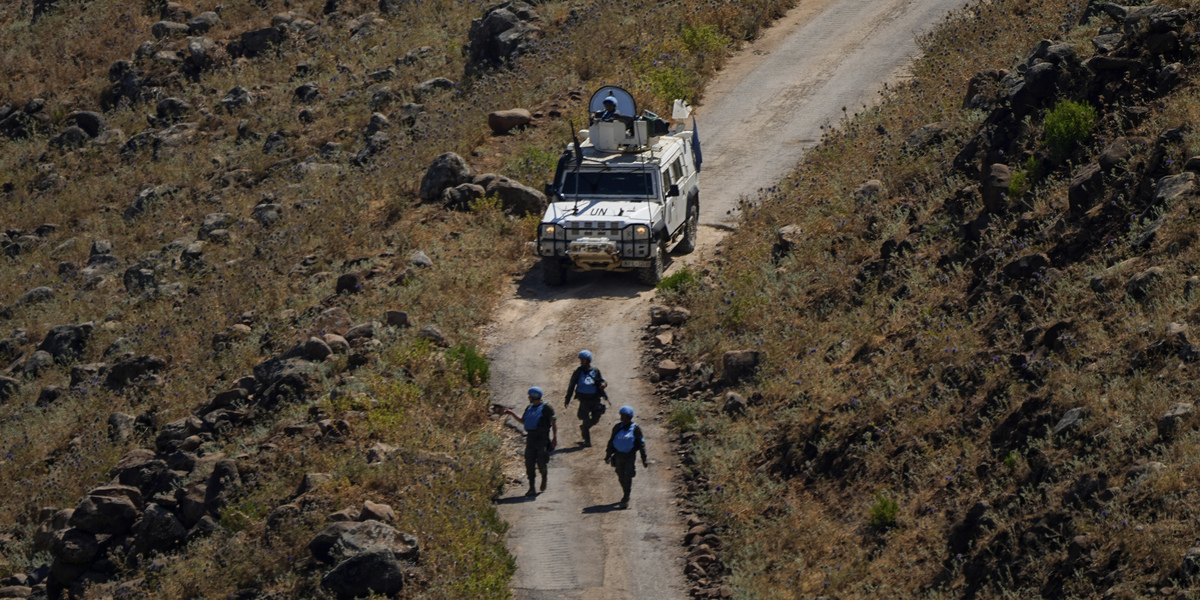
column 368, row 573
column 158, row 530
column 446, row 171
column 740, row 363
column 75, row 546
column 515, row 198
column 258, row 41
column 222, row 484
column 503, row 121
column 340, row 541
column 92, row 123
column 66, row 342
column 107, row 514
column 504, row 32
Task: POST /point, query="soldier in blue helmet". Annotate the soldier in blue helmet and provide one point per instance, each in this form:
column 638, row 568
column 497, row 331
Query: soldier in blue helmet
column 626, row 441
column 611, row 113
column 587, row 384
column 541, row 436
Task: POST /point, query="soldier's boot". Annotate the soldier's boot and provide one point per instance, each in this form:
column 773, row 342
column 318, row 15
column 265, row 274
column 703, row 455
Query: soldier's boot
column 586, row 433
column 532, row 489
column 543, row 470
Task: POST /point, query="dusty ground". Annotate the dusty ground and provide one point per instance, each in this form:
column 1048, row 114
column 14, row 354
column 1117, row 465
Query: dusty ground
column 759, row 116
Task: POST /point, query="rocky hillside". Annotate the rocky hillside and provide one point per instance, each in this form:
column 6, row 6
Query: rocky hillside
column 247, row 247
column 950, row 356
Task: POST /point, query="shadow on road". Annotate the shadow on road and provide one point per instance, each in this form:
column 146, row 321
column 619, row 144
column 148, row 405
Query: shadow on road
column 570, row 450
column 600, row 509
column 589, row 285
column 522, row 499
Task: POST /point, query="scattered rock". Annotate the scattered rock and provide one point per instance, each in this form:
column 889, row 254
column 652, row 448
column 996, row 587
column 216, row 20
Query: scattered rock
column 203, row 22
column 420, row 259
column 1071, row 421
column 431, row 87
column 1140, row 285
column 995, row 189
column 433, row 334
column 735, row 404
column 461, row 196
column 167, row 29
column 8, row 388
column 739, row 364
column 237, row 98
column 1086, row 186
column 376, row 512
column 268, row 214
column 1170, row 424
column 667, row 369
column 308, row 92
column 66, row 342
column 503, row 121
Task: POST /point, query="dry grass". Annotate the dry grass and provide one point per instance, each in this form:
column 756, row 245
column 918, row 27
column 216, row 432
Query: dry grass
column 357, row 218
column 904, row 385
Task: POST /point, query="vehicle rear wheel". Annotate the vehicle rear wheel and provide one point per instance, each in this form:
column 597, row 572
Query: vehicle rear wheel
column 652, row 274
column 691, row 229
column 554, row 271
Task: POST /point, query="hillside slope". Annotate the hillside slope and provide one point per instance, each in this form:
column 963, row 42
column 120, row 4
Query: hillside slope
column 949, row 356
column 232, row 316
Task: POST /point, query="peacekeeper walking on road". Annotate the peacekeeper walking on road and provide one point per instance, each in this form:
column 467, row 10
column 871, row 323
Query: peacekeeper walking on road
column 541, row 436
column 625, row 442
column 587, row 384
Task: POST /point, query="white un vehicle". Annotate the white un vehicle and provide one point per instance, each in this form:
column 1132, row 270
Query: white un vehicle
column 624, row 197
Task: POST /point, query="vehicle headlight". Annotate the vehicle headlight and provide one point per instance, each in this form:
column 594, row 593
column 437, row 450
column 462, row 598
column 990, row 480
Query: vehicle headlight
column 641, row 231
column 548, row 230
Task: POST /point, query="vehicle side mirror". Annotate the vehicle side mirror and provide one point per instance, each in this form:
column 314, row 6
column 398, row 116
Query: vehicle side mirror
column 550, row 190
column 674, row 191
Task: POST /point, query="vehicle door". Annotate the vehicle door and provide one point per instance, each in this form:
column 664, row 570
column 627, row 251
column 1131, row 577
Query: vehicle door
column 676, row 206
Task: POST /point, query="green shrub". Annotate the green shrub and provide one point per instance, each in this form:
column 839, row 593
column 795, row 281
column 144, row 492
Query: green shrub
column 704, row 38
column 532, row 165
column 1067, row 124
column 1010, row 459
column 684, row 417
column 475, row 366
column 670, row 83
column 883, row 512
column 678, row 280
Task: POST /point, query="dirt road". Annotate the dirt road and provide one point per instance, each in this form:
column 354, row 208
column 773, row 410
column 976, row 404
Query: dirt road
column 759, row 116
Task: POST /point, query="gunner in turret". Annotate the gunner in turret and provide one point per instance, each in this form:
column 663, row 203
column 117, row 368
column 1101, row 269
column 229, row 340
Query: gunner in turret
column 610, row 113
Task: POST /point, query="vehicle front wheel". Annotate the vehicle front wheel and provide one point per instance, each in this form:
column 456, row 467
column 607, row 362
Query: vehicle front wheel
column 691, row 228
column 554, row 271
column 652, row 274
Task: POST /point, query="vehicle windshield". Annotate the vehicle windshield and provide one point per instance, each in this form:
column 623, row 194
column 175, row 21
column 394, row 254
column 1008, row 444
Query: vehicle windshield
column 609, row 183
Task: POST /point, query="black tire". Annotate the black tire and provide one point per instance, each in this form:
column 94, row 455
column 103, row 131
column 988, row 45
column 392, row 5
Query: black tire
column 554, row 272
column 691, row 228
column 652, row 274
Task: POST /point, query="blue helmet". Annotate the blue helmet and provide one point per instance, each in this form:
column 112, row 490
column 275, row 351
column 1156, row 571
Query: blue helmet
column 627, row 411
column 535, row 391
column 585, row 354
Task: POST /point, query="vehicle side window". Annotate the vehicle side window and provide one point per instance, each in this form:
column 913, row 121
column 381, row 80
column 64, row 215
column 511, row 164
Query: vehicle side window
column 666, row 182
column 676, row 171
